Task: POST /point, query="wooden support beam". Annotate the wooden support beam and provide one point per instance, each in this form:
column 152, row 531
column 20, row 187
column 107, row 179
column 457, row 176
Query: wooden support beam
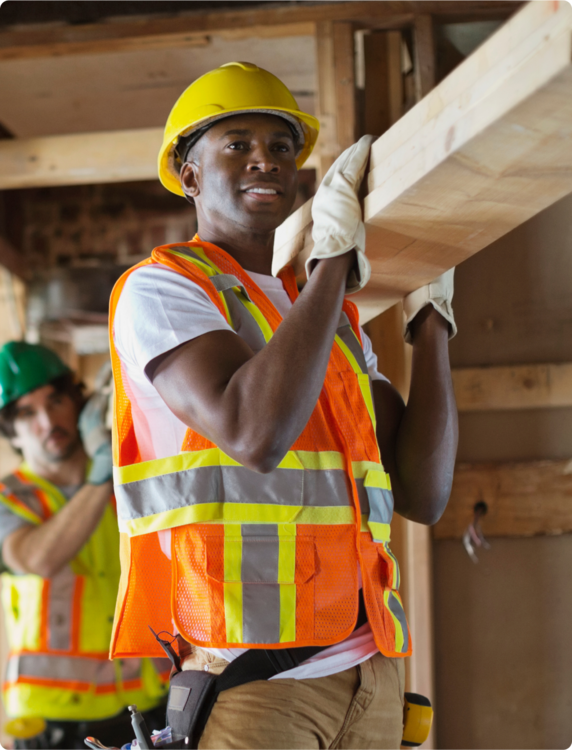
column 274, row 19
column 523, row 499
column 482, row 153
column 335, row 94
column 83, row 159
column 515, row 387
column 425, row 62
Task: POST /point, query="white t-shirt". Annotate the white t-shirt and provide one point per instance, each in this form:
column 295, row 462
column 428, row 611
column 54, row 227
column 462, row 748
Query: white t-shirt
column 160, row 309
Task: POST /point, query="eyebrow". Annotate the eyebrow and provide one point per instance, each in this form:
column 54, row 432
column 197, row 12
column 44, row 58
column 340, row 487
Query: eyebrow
column 277, row 134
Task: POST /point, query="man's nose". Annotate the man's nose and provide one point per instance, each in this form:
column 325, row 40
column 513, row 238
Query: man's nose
column 44, row 419
column 263, row 160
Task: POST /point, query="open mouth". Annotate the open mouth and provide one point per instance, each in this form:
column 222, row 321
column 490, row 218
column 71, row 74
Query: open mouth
column 263, row 194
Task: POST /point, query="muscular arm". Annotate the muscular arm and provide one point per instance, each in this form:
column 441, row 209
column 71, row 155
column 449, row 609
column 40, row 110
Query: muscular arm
column 254, row 406
column 45, row 549
column 418, row 442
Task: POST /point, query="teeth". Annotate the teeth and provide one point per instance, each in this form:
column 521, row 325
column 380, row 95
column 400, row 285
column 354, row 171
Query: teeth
column 263, row 191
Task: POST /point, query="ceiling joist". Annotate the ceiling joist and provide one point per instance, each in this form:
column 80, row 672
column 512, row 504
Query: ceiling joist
column 192, row 29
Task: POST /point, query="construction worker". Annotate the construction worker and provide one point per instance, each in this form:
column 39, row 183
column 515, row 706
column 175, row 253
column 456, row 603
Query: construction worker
column 60, row 552
column 252, row 498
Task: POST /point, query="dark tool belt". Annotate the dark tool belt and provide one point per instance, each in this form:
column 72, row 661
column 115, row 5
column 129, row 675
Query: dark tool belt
column 193, row 693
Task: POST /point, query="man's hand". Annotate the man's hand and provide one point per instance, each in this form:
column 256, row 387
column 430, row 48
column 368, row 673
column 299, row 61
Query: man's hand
column 338, row 223
column 96, row 438
column 438, row 294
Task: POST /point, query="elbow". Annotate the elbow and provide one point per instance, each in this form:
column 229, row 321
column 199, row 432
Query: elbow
column 43, row 567
column 261, row 456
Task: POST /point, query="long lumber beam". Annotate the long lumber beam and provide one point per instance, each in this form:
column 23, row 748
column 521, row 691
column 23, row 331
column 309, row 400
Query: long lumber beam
column 483, row 152
column 275, row 19
column 83, row 159
column 523, row 499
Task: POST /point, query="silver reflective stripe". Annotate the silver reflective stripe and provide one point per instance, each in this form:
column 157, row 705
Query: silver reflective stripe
column 347, row 335
column 260, row 547
column 232, row 484
column 60, row 610
column 130, row 669
column 71, row 668
column 363, row 498
column 261, row 612
column 399, row 614
column 225, row 281
column 243, row 323
column 380, row 504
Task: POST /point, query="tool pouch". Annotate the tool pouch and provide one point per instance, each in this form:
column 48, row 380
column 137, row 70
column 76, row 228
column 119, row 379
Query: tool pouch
column 191, row 698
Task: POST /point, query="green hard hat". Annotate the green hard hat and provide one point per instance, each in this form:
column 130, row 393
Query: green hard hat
column 25, row 367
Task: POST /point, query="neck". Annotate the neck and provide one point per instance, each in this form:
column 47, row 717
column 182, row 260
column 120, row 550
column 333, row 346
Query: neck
column 252, row 251
column 69, row 471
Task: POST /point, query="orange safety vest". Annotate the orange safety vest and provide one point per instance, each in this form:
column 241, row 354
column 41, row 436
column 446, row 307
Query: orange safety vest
column 258, row 560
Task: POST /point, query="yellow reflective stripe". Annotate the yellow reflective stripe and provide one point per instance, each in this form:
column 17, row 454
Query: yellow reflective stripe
column 56, row 498
column 181, row 462
column 206, row 267
column 365, row 388
column 21, row 510
column 364, row 525
column 215, row 457
column 232, row 552
column 377, row 478
column 399, row 636
column 363, row 378
column 237, row 513
column 360, row 468
column 395, row 582
column 233, row 612
column 263, row 324
column 287, row 613
column 286, row 552
column 381, row 532
column 349, row 356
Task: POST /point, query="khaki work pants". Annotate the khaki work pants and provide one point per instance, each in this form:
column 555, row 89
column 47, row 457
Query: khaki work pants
column 360, row 708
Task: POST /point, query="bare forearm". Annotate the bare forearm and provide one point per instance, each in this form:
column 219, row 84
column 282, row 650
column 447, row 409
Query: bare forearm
column 427, row 437
column 262, row 402
column 45, row 549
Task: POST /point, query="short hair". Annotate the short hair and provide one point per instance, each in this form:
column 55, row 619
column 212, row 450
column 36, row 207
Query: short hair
column 64, row 384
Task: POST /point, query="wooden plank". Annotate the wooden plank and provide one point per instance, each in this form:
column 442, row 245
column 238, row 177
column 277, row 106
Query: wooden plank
column 83, row 159
column 182, row 30
column 523, row 499
column 516, row 387
column 478, row 156
column 344, row 74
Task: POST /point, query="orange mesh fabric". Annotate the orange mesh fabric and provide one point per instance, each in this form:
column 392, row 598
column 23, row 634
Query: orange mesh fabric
column 144, row 598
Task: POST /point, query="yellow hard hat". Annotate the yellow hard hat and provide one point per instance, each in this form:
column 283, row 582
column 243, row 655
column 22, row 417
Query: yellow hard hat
column 231, row 89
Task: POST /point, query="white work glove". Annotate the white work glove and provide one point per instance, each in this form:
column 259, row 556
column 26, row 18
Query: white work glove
column 439, row 294
column 95, row 434
column 338, row 223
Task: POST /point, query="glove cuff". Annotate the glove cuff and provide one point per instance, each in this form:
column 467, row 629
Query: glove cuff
column 443, row 308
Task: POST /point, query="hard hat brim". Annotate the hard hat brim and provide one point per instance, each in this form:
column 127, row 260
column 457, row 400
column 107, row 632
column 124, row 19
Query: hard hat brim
column 307, row 126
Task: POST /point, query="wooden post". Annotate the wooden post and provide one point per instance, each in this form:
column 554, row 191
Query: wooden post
column 335, row 94
column 424, row 42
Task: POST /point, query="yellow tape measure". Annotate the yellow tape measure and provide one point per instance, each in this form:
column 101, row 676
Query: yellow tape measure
column 417, row 719
column 25, row 728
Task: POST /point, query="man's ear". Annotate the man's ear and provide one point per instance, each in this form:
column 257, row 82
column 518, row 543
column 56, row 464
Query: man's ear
column 190, row 179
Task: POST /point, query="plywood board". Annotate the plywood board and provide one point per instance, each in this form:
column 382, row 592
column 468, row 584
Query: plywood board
column 486, row 150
